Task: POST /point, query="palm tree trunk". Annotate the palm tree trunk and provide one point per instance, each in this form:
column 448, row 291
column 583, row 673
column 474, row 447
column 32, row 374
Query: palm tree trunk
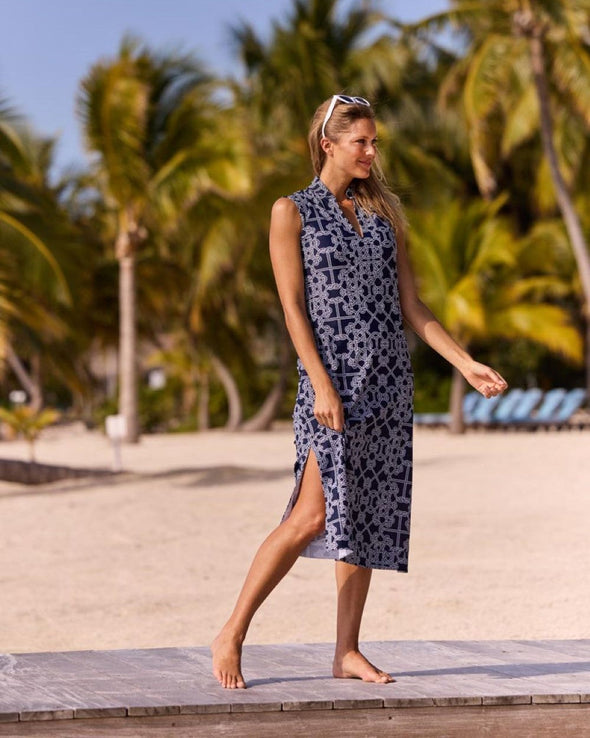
column 203, row 402
column 267, row 412
column 26, row 380
column 564, row 200
column 37, row 399
column 189, row 398
column 457, row 424
column 128, row 405
column 232, row 393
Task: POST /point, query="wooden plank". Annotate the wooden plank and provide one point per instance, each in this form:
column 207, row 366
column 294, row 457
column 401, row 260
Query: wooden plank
column 40, row 715
column 517, row 721
column 101, row 712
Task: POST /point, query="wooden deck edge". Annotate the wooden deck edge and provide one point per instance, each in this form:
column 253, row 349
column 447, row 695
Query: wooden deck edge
column 394, row 703
column 501, row 721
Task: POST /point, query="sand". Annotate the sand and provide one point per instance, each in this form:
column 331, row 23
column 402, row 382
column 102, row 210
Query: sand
column 499, row 550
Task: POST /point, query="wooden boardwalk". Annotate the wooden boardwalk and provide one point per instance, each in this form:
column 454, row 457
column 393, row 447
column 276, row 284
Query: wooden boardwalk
column 442, row 688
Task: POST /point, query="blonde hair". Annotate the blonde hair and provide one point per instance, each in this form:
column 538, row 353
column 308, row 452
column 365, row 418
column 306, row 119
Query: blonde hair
column 372, row 194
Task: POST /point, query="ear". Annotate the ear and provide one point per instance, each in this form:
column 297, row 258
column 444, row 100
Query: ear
column 326, row 145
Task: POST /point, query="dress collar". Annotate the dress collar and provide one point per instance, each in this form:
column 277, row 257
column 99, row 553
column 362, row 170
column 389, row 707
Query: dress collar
column 320, row 189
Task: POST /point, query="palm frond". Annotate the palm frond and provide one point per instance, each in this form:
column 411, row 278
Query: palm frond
column 547, row 325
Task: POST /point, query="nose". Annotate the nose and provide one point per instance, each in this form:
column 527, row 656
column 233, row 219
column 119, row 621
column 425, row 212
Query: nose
column 370, row 150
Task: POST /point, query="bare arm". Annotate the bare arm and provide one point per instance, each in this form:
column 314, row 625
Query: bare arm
column 483, row 378
column 285, row 254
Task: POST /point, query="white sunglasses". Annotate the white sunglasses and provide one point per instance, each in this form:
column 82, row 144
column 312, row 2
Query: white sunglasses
column 347, row 100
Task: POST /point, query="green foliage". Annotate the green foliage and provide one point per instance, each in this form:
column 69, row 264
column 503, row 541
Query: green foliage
column 432, row 381
column 28, row 423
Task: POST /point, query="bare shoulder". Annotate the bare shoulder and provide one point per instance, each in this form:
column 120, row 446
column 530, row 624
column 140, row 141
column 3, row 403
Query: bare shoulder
column 285, row 212
column 285, row 221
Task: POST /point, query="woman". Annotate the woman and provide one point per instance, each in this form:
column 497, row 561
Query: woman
column 344, row 280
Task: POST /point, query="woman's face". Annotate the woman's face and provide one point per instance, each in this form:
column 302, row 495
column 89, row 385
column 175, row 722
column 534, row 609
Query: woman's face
column 355, row 150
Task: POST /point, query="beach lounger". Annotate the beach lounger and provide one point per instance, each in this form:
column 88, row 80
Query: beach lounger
column 483, row 411
column 560, row 409
column 436, row 420
column 432, row 420
column 509, row 404
column 528, row 402
column 471, row 404
column 546, row 410
column 572, row 402
column 529, row 409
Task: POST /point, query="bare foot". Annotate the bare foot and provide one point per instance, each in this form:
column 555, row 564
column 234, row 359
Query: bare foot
column 353, row 665
column 227, row 661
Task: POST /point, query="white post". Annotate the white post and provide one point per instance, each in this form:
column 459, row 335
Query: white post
column 116, row 428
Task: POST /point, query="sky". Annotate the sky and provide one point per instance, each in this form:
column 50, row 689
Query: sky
column 47, row 46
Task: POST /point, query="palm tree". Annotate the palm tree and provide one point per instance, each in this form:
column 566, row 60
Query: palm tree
column 28, row 423
column 150, row 122
column 309, row 57
column 37, row 254
column 482, row 284
column 528, row 57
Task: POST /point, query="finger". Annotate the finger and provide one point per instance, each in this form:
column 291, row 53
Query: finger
column 500, row 379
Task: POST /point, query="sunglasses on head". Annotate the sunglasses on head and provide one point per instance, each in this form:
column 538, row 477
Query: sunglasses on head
column 347, row 100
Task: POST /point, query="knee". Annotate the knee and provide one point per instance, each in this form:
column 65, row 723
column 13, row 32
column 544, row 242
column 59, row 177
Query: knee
column 316, row 524
column 307, row 527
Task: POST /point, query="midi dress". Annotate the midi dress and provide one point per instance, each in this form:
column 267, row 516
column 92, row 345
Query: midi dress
column 353, row 305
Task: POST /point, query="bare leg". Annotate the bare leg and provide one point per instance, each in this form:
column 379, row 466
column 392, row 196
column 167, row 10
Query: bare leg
column 274, row 558
column 353, row 585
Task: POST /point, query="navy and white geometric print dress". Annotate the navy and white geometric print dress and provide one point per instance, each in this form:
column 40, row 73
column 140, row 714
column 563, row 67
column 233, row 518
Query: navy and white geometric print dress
column 352, row 299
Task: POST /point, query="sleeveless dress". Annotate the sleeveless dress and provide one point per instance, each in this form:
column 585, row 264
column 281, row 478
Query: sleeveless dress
column 352, row 301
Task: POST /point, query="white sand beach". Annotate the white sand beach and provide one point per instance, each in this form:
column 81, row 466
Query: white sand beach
column 500, row 543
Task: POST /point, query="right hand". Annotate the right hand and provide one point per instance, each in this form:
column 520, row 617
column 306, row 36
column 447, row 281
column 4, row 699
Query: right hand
column 328, row 409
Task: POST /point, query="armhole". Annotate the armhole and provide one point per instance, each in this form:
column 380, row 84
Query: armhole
column 298, row 206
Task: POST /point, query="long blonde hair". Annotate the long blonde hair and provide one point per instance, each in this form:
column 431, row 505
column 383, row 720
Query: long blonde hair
column 372, row 194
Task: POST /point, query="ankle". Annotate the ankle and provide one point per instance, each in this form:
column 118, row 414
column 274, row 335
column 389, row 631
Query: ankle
column 343, row 651
column 234, row 632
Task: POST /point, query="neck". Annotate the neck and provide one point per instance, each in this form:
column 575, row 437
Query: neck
column 336, row 183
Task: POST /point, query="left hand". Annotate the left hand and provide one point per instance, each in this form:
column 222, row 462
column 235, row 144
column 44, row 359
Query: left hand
column 484, row 379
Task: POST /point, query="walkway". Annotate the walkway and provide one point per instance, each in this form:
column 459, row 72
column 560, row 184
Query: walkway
column 446, row 688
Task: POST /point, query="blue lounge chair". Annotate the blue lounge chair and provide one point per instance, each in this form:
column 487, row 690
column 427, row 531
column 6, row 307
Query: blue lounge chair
column 431, row 420
column 507, row 406
column 560, row 410
column 471, row 404
column 573, row 401
column 546, row 410
column 524, row 408
column 436, row 420
column 483, row 411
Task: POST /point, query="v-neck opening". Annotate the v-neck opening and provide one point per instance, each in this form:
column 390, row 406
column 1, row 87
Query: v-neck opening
column 331, row 197
column 360, row 233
